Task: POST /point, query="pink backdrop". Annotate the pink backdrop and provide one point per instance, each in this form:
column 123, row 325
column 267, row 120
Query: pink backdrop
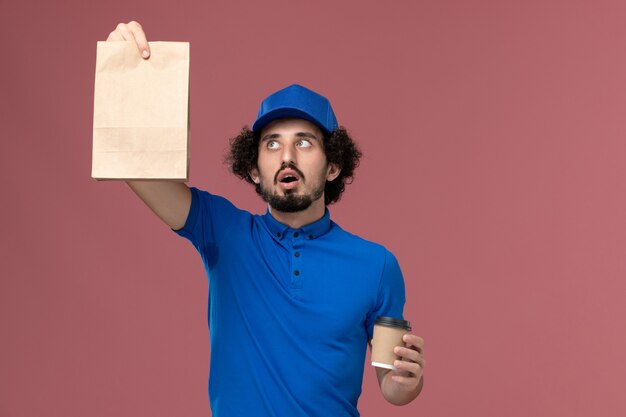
column 493, row 134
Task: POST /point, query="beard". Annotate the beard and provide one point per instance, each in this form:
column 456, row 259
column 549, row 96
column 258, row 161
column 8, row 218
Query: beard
column 291, row 202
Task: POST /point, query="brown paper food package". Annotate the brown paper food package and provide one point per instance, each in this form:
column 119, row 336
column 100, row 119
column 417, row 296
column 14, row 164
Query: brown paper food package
column 141, row 112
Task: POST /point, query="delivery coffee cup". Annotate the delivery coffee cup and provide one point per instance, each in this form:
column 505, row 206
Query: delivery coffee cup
column 388, row 334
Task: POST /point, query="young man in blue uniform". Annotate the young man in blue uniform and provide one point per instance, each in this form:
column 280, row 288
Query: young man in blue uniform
column 292, row 296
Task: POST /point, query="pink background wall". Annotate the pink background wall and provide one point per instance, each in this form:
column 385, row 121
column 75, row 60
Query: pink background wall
column 493, row 134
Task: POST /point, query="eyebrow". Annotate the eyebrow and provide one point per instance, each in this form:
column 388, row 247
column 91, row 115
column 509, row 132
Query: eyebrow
column 306, row 135
column 298, row 134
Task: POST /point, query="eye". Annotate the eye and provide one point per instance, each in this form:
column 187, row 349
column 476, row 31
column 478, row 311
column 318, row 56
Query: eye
column 272, row 144
column 303, row 143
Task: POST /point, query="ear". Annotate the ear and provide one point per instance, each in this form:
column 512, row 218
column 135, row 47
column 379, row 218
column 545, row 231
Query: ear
column 333, row 172
column 254, row 175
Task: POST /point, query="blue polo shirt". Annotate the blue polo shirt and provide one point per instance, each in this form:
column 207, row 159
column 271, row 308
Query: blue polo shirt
column 290, row 310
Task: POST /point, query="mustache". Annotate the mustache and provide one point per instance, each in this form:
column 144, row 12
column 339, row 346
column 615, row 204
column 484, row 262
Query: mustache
column 289, row 165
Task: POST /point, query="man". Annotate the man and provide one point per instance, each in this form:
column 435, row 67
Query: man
column 292, row 297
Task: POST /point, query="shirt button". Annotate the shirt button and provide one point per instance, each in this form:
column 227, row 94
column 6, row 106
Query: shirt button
column 296, row 272
column 296, row 234
column 310, row 237
column 297, row 254
column 278, row 234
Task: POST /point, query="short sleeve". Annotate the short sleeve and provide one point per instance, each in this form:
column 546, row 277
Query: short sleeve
column 391, row 294
column 208, row 220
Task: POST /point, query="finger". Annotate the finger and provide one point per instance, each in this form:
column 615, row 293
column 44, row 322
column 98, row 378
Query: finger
column 123, row 32
column 414, row 340
column 406, row 353
column 114, row 36
column 129, row 32
column 416, row 368
column 408, row 381
column 120, row 33
column 140, row 38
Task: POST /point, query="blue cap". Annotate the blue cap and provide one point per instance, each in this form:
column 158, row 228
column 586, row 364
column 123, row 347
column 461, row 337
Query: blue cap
column 298, row 102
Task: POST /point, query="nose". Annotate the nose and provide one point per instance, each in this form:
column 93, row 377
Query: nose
column 288, row 155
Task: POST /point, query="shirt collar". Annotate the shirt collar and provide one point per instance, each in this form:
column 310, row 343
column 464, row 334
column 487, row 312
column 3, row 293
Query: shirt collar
column 309, row 231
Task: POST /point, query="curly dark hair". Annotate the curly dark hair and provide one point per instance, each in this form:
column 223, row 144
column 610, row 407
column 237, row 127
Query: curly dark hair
column 339, row 148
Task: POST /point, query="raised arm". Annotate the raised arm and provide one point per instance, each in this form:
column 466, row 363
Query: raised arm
column 169, row 200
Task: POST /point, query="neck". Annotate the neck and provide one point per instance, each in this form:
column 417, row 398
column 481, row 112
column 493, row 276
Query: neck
column 301, row 218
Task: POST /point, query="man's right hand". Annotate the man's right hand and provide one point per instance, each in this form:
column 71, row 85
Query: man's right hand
column 169, row 200
column 131, row 31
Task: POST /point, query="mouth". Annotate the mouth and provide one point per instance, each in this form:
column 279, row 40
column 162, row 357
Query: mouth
column 288, row 179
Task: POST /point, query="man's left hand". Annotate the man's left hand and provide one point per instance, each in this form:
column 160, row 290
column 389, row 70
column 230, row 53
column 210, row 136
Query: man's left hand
column 410, row 367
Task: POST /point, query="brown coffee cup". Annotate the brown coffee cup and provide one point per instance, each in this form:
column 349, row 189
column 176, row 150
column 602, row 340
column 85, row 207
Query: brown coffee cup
column 388, row 333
